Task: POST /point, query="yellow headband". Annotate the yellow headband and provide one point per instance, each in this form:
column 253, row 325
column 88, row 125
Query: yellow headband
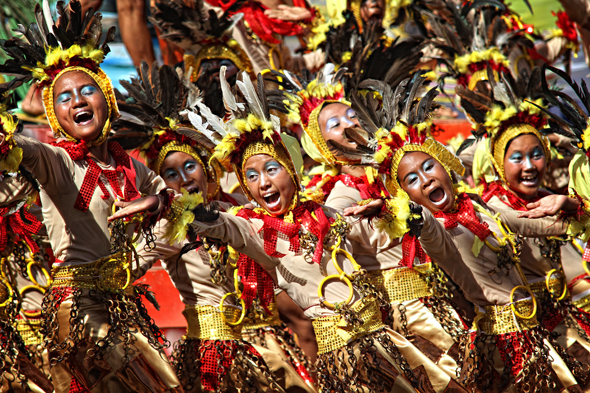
column 436, row 150
column 213, row 170
column 105, row 85
column 481, row 75
column 230, row 51
column 499, row 144
column 313, row 141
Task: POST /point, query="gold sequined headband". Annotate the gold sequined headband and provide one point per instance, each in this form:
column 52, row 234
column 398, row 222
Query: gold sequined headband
column 230, row 51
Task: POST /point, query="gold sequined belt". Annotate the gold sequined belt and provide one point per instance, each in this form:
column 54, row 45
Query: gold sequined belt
column 30, row 330
column 404, row 283
column 556, row 286
column 255, row 319
column 335, row 332
column 508, row 318
column 208, row 323
column 109, row 274
column 583, row 303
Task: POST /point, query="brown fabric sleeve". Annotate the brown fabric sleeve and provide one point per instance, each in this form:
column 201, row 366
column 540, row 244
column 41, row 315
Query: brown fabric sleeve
column 51, row 166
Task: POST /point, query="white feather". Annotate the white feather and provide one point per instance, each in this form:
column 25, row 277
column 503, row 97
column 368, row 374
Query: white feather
column 328, row 73
column 228, row 98
column 47, row 16
column 197, row 122
column 292, row 79
column 215, row 122
column 251, row 96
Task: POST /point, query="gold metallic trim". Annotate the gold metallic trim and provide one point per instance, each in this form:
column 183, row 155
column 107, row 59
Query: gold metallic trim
column 230, row 51
column 501, row 319
column 207, row 323
column 334, row 332
column 30, row 331
column 109, row 274
column 403, row 284
column 256, row 320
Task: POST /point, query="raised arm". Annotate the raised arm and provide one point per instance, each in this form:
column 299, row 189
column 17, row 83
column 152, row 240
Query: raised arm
column 50, row 165
column 241, row 234
column 14, row 188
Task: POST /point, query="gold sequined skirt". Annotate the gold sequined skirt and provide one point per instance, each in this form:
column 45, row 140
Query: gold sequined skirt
column 373, row 358
column 100, row 336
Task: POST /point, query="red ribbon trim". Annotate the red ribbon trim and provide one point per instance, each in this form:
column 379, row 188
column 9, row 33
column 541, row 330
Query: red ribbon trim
column 124, row 165
column 465, row 215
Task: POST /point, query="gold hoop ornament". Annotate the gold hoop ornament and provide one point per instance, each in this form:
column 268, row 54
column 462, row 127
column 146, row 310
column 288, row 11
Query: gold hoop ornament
column 519, row 315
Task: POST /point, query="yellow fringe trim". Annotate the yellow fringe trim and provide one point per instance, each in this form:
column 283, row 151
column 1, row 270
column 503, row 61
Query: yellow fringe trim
column 12, row 160
column 177, row 227
column 227, row 146
column 493, row 54
column 313, row 90
column 55, row 55
column 395, row 222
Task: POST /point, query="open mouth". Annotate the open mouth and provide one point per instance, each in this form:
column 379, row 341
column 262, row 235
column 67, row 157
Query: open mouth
column 272, row 200
column 529, row 180
column 193, row 190
column 83, row 118
column 438, row 196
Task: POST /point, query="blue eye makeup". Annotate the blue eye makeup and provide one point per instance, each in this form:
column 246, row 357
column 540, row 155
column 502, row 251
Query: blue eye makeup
column 251, row 173
column 88, row 90
column 516, row 156
column 64, row 97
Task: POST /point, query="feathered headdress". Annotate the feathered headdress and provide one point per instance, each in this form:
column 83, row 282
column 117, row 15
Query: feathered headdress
column 394, row 125
column 250, row 129
column 370, row 54
column 48, row 49
column 302, row 100
column 10, row 154
column 488, row 39
column 155, row 119
column 200, row 32
column 577, row 125
column 513, row 110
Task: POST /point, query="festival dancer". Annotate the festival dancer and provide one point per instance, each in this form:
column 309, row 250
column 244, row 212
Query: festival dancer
column 21, row 267
column 409, row 288
column 507, row 348
column 520, row 155
column 212, row 356
column 206, row 40
column 99, row 334
column 308, row 250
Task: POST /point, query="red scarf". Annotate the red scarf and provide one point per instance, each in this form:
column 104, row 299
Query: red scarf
column 465, row 215
column 22, row 223
column 264, row 27
column 497, row 189
column 376, row 190
column 257, row 282
column 411, row 249
column 124, row 165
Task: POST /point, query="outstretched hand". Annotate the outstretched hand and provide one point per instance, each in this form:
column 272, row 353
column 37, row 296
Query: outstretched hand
column 289, row 13
column 550, row 206
column 370, row 209
column 145, row 204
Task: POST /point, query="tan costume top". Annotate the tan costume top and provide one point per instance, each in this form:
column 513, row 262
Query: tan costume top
column 14, row 188
column 191, row 274
column 536, row 267
column 76, row 236
column 293, row 273
column 452, row 249
column 342, row 197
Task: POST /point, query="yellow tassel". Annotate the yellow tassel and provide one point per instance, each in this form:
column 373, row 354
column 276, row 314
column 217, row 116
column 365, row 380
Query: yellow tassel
column 177, row 228
column 395, row 222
